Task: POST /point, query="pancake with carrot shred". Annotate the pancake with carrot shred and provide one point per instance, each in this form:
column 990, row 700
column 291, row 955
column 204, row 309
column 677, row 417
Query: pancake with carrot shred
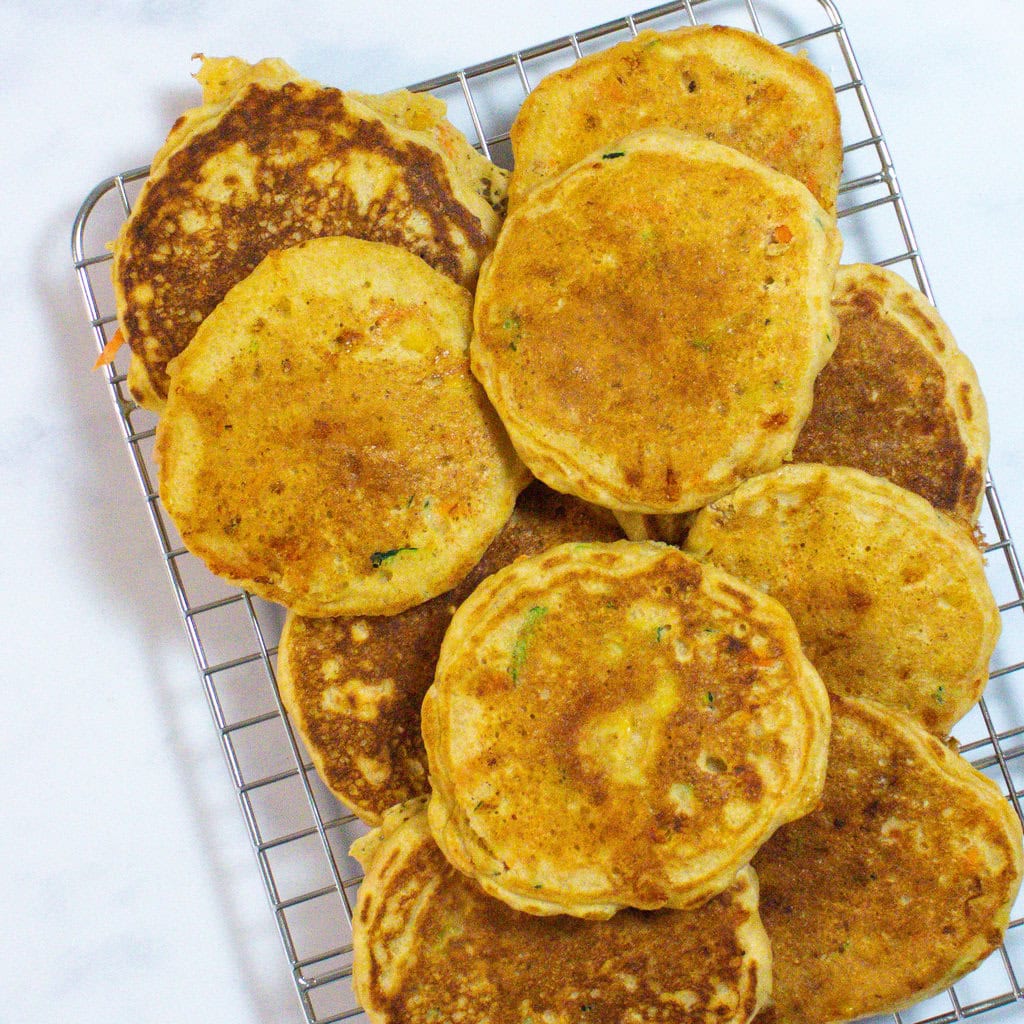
column 269, row 160
column 889, row 595
column 426, row 939
column 898, row 398
column 353, row 686
column 710, row 81
column 615, row 725
column 898, row 885
column 324, row 443
column 651, row 322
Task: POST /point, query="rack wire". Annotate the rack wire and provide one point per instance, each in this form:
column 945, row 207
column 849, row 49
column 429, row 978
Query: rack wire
column 299, row 832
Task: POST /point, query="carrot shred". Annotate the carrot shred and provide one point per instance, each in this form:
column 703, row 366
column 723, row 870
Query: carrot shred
column 109, row 350
column 782, row 234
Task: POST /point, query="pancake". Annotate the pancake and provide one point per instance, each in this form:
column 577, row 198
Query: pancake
column 223, row 77
column 429, row 945
column 657, row 406
column 711, row 81
column 889, row 596
column 898, row 885
column 898, row 398
column 614, row 725
column 269, row 160
column 324, row 443
column 353, row 686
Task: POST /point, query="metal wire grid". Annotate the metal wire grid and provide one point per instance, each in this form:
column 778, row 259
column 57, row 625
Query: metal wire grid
column 299, row 833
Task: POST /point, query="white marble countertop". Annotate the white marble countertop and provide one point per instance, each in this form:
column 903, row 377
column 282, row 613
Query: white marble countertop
column 127, row 882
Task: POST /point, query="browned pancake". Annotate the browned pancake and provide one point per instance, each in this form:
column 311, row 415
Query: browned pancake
column 898, row 398
column 431, row 948
column 353, row 686
column 897, row 885
column 269, row 161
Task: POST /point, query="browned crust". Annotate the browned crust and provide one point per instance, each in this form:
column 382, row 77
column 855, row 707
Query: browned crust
column 286, row 137
column 899, row 399
column 427, row 940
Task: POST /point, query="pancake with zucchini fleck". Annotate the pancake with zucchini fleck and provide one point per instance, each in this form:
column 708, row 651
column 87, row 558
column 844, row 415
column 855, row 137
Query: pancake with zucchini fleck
column 657, row 406
column 895, row 887
column 889, row 595
column 324, row 443
column 615, row 725
column 425, row 939
column 898, row 398
column 271, row 159
column 354, row 686
column 710, row 81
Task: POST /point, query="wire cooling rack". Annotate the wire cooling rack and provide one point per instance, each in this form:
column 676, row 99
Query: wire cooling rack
column 299, row 832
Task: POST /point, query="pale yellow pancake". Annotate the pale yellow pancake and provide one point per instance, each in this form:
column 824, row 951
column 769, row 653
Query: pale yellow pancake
column 890, row 596
column 710, row 81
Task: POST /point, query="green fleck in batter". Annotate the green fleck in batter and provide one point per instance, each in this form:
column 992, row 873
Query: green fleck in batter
column 378, row 558
column 526, row 631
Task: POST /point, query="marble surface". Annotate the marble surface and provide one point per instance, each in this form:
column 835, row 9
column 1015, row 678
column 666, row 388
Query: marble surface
column 128, row 887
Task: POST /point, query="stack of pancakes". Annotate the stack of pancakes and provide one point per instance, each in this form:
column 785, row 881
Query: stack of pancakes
column 581, row 753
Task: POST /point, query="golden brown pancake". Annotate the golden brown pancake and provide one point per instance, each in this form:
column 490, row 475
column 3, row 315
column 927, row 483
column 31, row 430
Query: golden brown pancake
column 651, row 322
column 430, row 946
column 898, row 398
column 324, row 443
column 354, row 686
column 711, row 81
column 890, row 596
column 897, row 885
column 269, row 160
column 615, row 725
